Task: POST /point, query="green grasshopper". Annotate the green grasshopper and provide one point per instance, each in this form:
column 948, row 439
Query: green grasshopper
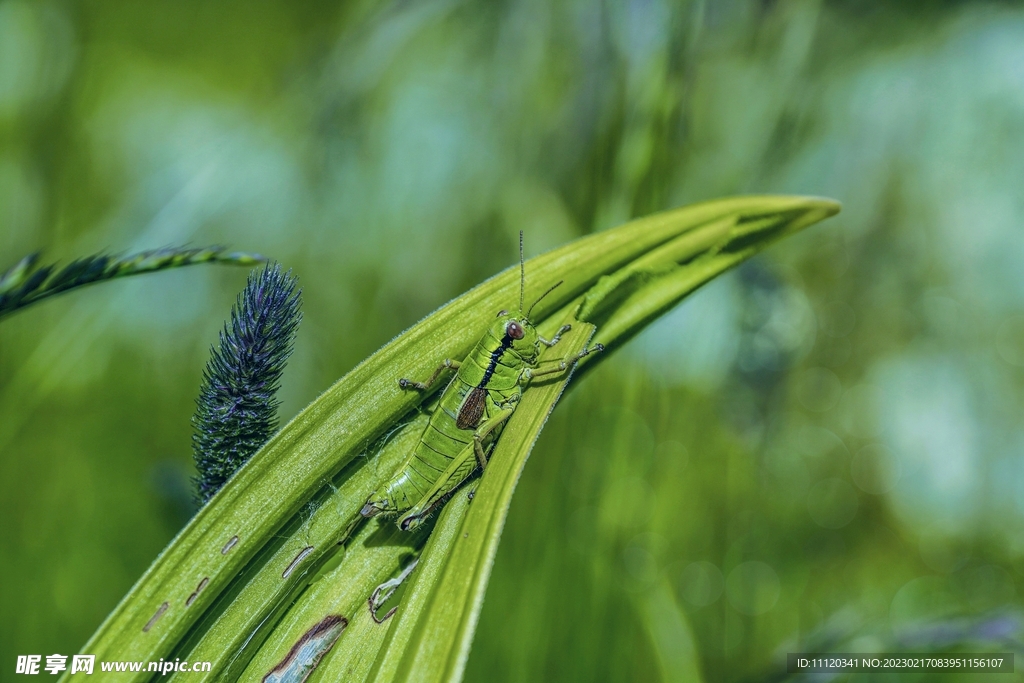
column 471, row 414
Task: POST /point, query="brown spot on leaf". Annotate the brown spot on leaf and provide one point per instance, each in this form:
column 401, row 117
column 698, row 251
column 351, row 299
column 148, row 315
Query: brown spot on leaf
column 373, row 614
column 307, row 652
column 295, row 563
column 159, row 613
column 197, row 591
column 229, row 545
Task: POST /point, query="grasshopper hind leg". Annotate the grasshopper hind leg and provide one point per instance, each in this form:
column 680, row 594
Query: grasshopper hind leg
column 459, row 471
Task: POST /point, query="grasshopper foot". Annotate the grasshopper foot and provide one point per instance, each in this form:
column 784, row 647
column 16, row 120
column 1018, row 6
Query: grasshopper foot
column 411, row 522
column 373, row 508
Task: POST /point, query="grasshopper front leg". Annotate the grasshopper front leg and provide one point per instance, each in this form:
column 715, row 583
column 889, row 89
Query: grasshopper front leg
column 563, row 365
column 554, row 340
column 447, row 364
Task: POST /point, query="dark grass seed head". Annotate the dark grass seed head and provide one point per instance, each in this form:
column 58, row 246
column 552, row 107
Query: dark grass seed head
column 236, row 412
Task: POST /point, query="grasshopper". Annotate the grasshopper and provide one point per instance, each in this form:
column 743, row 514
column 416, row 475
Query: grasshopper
column 471, row 414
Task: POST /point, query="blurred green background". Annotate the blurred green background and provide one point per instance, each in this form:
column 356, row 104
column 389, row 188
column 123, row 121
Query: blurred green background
column 820, row 449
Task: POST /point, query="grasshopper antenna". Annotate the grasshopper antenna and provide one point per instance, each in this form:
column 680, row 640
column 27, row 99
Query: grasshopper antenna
column 522, row 274
column 550, row 289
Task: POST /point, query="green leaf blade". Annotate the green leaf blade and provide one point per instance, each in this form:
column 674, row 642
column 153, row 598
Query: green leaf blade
column 680, row 249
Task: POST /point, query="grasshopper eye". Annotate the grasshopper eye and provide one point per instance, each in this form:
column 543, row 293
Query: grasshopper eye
column 514, row 330
column 502, row 312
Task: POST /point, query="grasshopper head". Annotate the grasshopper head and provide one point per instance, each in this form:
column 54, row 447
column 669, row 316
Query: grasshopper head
column 518, row 332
